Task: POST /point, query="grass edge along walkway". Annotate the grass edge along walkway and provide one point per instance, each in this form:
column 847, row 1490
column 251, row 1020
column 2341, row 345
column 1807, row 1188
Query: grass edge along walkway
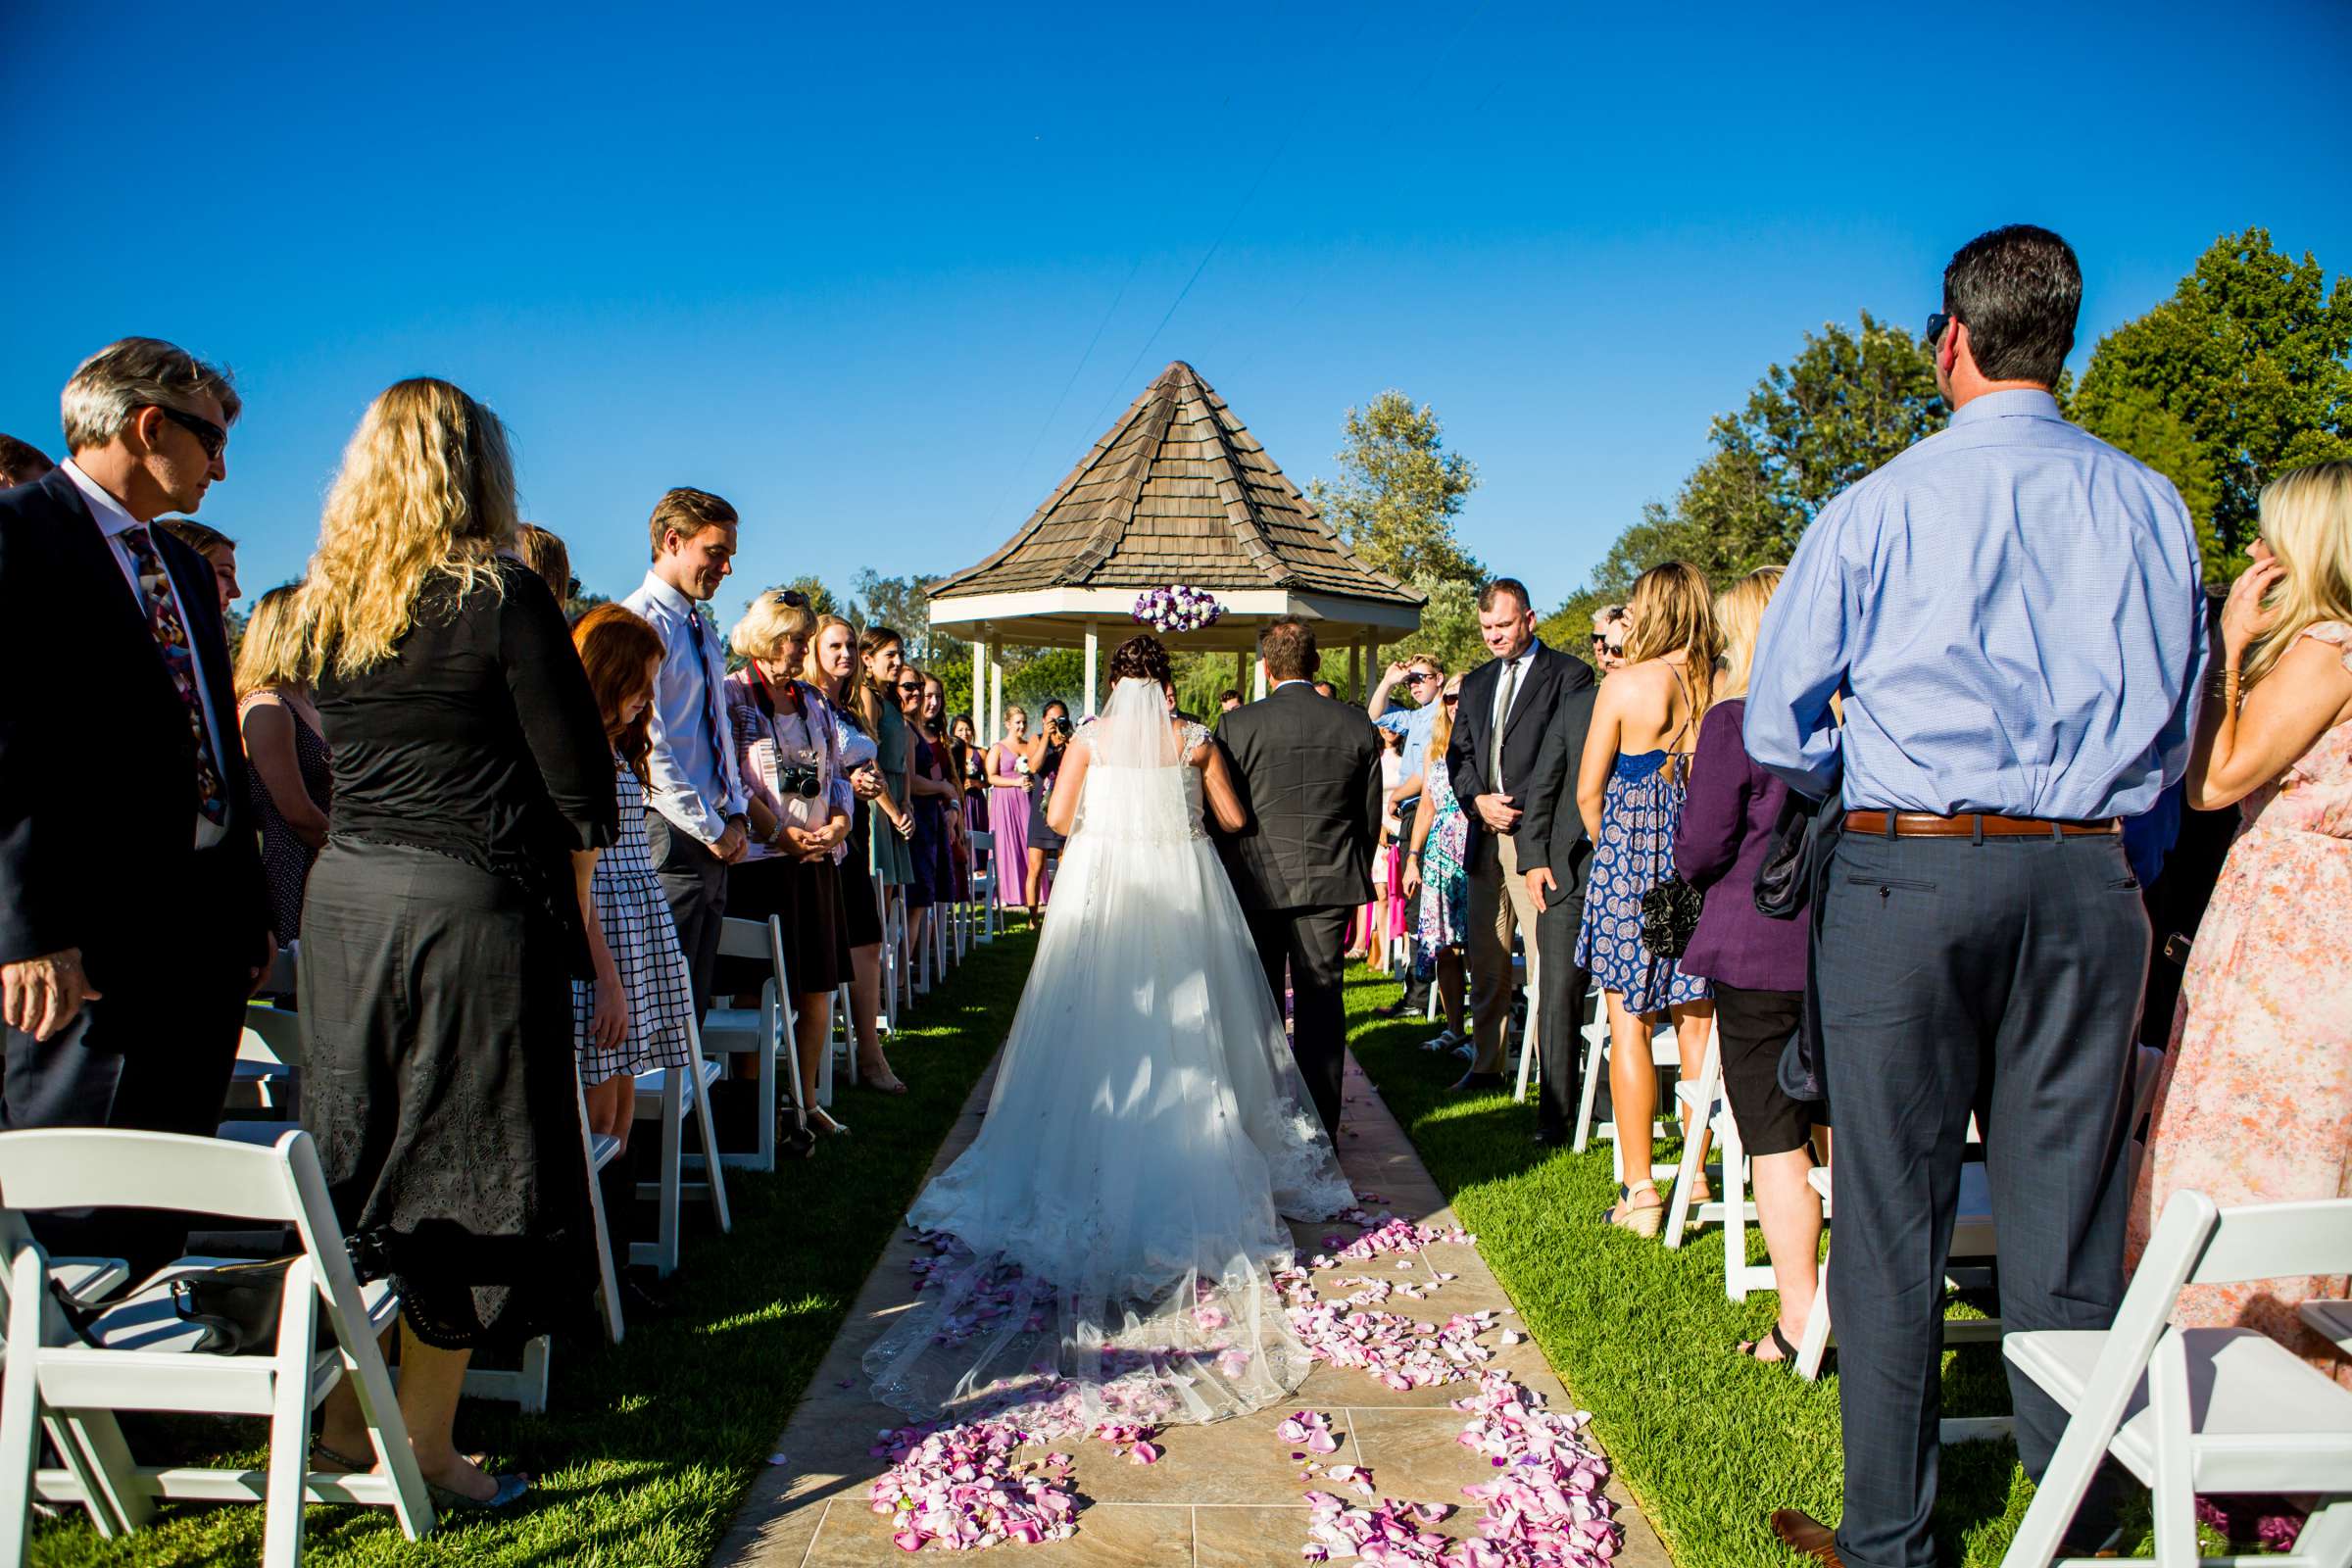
column 648, row 1446
column 1645, row 1339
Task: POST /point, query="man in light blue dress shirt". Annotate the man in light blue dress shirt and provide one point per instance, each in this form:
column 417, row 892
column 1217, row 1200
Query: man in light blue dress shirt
column 2011, row 611
column 696, row 804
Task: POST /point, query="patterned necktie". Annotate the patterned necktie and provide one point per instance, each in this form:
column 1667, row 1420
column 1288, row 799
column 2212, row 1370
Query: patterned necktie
column 1503, row 715
column 180, row 659
column 710, row 715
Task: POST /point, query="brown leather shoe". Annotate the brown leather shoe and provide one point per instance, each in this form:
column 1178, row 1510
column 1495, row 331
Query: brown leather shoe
column 1801, row 1533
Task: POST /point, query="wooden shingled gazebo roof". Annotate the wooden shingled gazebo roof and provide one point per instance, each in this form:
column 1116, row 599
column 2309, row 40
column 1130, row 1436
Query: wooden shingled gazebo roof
column 1177, row 491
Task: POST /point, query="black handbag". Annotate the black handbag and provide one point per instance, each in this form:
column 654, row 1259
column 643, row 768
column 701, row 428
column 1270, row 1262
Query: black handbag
column 238, row 1306
column 1669, row 915
column 1669, row 910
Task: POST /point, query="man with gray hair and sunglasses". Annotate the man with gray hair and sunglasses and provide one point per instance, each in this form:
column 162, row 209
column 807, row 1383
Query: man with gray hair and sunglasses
column 133, row 923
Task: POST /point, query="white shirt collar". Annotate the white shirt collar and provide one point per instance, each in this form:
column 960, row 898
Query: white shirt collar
column 112, row 517
column 1295, row 680
column 658, row 590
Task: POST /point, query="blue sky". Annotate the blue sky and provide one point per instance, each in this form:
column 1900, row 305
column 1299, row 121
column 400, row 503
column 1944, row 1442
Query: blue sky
column 881, row 277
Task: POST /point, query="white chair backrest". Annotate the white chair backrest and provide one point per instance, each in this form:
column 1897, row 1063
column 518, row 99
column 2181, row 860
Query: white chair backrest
column 91, row 1167
column 272, row 1035
column 2274, row 1241
column 743, row 939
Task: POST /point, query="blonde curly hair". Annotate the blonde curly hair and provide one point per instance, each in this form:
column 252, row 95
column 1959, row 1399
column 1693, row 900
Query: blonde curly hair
column 2307, row 521
column 427, row 492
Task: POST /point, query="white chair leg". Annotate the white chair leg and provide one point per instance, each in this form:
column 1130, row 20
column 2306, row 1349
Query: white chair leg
column 1814, row 1342
column 714, row 1174
column 662, row 1252
column 1737, row 1274
column 607, row 1283
column 20, row 1403
column 1529, row 1044
column 2327, row 1538
column 1691, row 1166
column 289, row 1426
column 1593, row 1072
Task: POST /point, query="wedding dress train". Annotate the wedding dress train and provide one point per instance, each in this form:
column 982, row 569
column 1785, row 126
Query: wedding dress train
column 1107, row 1244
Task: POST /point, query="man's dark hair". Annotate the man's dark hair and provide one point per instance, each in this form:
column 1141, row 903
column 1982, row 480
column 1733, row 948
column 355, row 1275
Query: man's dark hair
column 1504, row 585
column 1288, row 646
column 21, row 462
column 2018, row 289
column 1230, row 694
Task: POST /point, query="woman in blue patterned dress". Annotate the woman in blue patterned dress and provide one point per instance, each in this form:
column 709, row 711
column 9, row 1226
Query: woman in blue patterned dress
column 1436, row 875
column 1630, row 791
column 633, row 1018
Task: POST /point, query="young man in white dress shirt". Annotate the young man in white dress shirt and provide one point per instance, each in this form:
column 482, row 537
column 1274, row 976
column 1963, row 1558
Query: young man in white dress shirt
column 696, row 804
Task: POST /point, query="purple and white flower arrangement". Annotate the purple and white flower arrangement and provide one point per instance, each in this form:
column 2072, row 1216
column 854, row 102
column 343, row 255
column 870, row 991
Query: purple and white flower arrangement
column 1176, row 609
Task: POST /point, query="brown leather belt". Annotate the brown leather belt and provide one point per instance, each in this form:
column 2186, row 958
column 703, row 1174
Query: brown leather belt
column 1973, row 824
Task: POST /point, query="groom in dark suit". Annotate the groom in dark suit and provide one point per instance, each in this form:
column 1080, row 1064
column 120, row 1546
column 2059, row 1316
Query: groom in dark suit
column 1508, row 706
column 1309, row 772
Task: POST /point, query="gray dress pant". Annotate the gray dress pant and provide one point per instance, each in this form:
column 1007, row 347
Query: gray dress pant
column 2002, row 977
column 695, row 882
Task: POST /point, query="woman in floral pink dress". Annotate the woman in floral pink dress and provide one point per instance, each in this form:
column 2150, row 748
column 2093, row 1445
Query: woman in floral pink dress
column 2255, row 1104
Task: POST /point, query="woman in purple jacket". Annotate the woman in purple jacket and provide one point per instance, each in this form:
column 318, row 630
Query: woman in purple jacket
column 1755, row 964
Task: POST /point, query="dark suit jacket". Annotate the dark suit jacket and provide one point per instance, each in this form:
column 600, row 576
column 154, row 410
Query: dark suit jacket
column 97, row 762
column 1550, row 675
column 1308, row 770
column 1552, row 832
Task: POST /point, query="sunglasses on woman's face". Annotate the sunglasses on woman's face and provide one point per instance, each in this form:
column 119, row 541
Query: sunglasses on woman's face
column 1452, row 698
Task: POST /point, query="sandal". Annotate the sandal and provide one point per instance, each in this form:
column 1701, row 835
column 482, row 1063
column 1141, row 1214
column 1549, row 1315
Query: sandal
column 881, row 1079
column 510, row 1488
column 819, row 1122
column 1786, row 1361
column 1644, row 1220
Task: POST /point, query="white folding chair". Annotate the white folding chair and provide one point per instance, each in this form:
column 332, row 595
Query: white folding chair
column 1707, row 1104
column 984, row 886
column 268, row 1074
column 668, row 1096
column 2192, row 1411
column 145, row 1356
column 525, row 1386
column 765, row 1033
column 1665, row 1055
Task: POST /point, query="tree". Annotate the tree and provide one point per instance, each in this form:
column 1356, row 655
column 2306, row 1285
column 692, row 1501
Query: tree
column 2238, row 377
column 1847, row 403
column 821, row 598
column 1398, row 492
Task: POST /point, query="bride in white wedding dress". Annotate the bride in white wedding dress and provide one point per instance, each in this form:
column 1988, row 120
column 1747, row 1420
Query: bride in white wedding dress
column 1116, row 1223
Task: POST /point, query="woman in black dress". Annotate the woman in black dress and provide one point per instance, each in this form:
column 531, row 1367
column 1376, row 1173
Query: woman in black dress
column 444, row 921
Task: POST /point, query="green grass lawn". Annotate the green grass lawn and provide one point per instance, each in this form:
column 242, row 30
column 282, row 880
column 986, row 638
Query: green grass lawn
column 648, row 1446
column 1645, row 1339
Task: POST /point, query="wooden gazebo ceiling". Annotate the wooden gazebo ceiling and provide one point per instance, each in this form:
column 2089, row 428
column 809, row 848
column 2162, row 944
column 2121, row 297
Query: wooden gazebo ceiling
column 1177, row 491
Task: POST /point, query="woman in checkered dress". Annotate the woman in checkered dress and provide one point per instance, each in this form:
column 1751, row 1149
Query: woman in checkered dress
column 634, row 1016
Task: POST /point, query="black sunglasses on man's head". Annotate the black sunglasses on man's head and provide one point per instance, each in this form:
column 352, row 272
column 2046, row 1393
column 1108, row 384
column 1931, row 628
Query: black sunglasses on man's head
column 209, row 435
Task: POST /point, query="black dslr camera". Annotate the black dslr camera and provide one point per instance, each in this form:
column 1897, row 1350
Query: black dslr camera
column 801, row 779
column 1060, row 727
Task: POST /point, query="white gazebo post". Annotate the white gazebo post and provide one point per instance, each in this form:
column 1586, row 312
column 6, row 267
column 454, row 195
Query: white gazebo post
column 1241, row 670
column 1094, row 643
column 996, row 692
column 980, row 688
column 1257, row 685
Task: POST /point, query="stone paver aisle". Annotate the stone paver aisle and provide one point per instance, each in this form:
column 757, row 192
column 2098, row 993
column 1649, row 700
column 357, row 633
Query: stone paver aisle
column 1223, row 1496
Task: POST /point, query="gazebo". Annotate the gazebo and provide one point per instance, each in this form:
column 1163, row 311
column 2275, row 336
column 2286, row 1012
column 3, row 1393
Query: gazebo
column 1177, row 491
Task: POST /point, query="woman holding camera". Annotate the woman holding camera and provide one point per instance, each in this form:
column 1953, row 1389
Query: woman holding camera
column 799, row 801
column 1044, row 755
